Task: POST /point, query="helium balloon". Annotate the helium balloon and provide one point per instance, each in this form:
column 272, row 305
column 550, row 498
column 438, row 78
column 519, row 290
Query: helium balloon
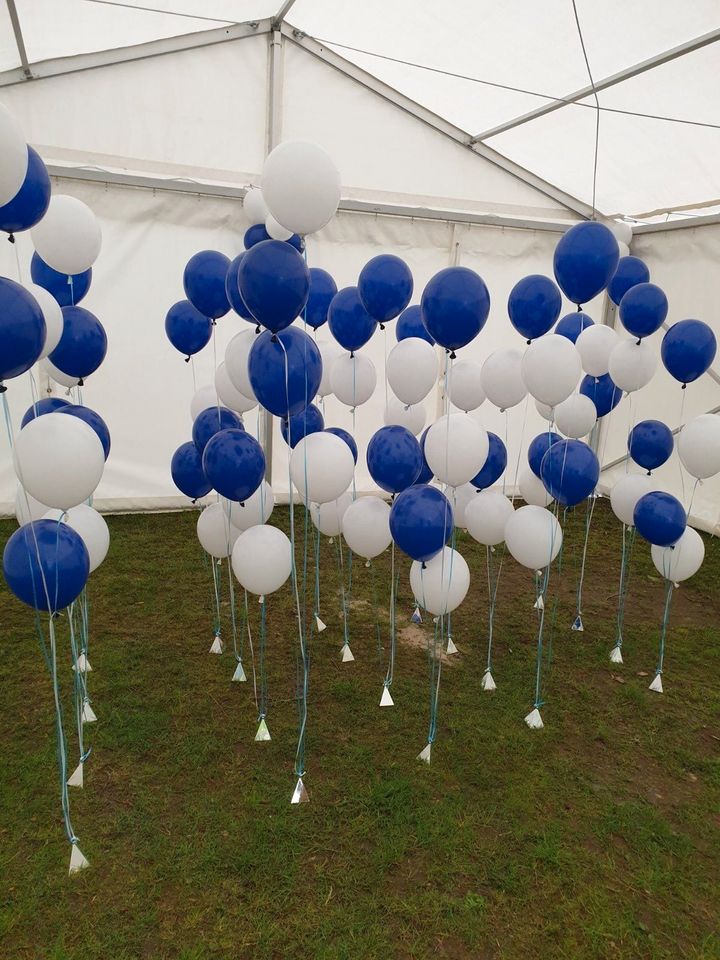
column 660, row 518
column 456, row 447
column 187, row 472
column 29, row 204
column 410, row 324
column 464, row 385
column 236, row 361
column 14, row 153
column 602, row 391
column 92, row 528
column 202, row 399
column 274, row 283
column 385, row 286
column 327, row 517
column 256, row 234
column 366, row 526
column 52, row 314
column 256, row 509
column 632, row 364
column 487, row 515
column 346, row 438
column 322, row 290
column 27, row 508
column 228, row 394
column 502, row 379
column 321, row 467
column 538, row 447
column 699, row 446
column 46, row 405
column 572, row 325
column 682, row 560
column 68, row 291
column 595, row 346
column 284, row 370
column 494, row 465
column 532, row 489
column 455, row 305
column 394, row 458
column 426, row 474
column 461, row 497
column 576, row 416
column 570, row 471
column 92, row 419
column 232, row 290
column 187, row 329
column 275, row 230
column 211, row 421
column 68, row 238
column 625, row 495
column 441, row 584
column 83, row 343
column 643, row 309
column 410, row 416
column 309, row 420
column 349, row 322
column 421, row 521
column 52, row 372
column 254, row 205
column 650, row 443
column 551, row 368
column 330, row 350
column 216, row 534
column 204, row 283
column 688, row 349
column 262, row 559
column 585, row 260
column 234, row 463
column 22, row 329
column 534, row 305
column 46, row 565
column 301, row 186
column 412, row 369
column 353, row 379
column 630, row 272
column 533, row 536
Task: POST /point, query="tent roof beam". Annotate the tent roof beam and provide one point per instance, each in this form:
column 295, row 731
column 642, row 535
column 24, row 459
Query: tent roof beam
column 20, row 42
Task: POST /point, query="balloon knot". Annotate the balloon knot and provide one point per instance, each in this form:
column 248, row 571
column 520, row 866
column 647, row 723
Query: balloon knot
column 257, row 329
column 528, row 342
column 579, row 308
column 452, row 355
column 274, row 338
column 352, row 354
column 194, row 501
column 81, row 382
column 684, row 386
column 3, row 388
column 11, row 238
column 639, row 341
column 649, row 473
column 423, row 566
column 187, row 359
column 382, row 326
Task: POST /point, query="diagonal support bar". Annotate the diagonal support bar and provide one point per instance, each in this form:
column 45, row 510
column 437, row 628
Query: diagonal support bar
column 17, row 30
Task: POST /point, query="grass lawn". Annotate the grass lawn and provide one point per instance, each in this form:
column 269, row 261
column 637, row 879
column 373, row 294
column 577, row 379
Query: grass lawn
column 597, row 837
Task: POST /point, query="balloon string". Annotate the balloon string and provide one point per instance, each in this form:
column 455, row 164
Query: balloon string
column 233, row 614
column 17, row 262
column 79, row 693
column 316, row 534
column 376, row 608
column 515, row 492
column 60, row 743
column 262, row 713
column 589, row 510
column 391, row 665
column 663, row 631
column 628, row 542
column 683, row 394
column 343, row 595
column 216, row 590
column 246, row 615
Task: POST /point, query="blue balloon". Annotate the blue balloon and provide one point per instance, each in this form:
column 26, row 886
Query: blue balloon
column 234, row 464
column 30, row 203
column 349, row 322
column 46, row 564
column 83, row 344
column 660, row 518
column 322, row 290
column 68, row 291
column 630, row 271
column 187, row 472
column 309, row 420
column 211, row 421
column 602, row 391
column 274, row 282
column 570, row 471
column 410, row 324
column 394, row 458
column 204, row 283
column 347, row 437
column 93, row 420
column 534, row 305
column 296, row 241
column 585, row 260
column 46, row 405
column 255, row 234
column 426, row 474
column 650, row 444
column 643, row 309
column 688, row 349
column 493, row 467
column 421, row 521
column 455, row 305
column 385, row 286
column 187, row 329
column 285, row 370
column 232, row 290
column 573, row 324
column 539, row 447
column 22, row 329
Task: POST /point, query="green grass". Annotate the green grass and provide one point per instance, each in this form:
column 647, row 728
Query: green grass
column 596, row 837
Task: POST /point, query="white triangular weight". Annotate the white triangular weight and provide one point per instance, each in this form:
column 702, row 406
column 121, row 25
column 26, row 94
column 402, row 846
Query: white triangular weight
column 534, row 720
column 424, row 754
column 319, row 624
column 88, row 714
column 451, row 648
column 82, row 664
column 539, row 603
column 76, row 777
column 262, row 731
column 217, row 645
column 487, row 681
column 300, row 794
column 239, row 675
column 578, row 624
column 78, row 861
column 656, row 685
column 616, row 655
column 347, row 655
column 416, row 616
column 386, row 700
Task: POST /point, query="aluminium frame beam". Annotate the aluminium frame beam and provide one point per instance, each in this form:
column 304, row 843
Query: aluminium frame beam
column 19, row 40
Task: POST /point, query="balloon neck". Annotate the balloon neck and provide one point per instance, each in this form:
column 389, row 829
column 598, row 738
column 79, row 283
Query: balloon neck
column 423, row 566
column 11, row 238
column 528, row 342
column 684, row 386
column 579, row 308
column 352, row 354
column 273, row 338
column 649, row 473
column 3, row 388
column 639, row 341
column 452, row 355
column 257, row 329
column 382, row 326
column 188, row 358
column 213, row 322
column 81, row 382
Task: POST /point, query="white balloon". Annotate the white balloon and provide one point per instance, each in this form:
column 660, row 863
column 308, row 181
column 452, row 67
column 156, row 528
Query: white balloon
column 57, row 376
column 623, row 249
column 254, row 206
column 321, row 467
column 456, row 448
column 52, row 313
column 631, row 364
column 595, row 344
column 216, row 534
column 501, row 378
column 532, row 489
column 90, row 525
column 330, row 350
column 256, row 509
column 229, row 395
column 412, row 369
column 366, row 526
column 626, row 493
column 623, row 231
column 545, row 410
column 683, row 559
column 465, row 385
column 27, row 508
column 14, row 153
column 328, row 517
column 276, row 230
column 59, row 460
column 576, row 416
column 262, row 559
column 68, row 238
column 412, row 416
column 533, row 536
column 699, row 446
column 301, row 186
column 460, row 497
column 441, row 584
column 236, row 361
column 551, row 368
column 353, row 379
column 202, row 399
column 486, row 516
